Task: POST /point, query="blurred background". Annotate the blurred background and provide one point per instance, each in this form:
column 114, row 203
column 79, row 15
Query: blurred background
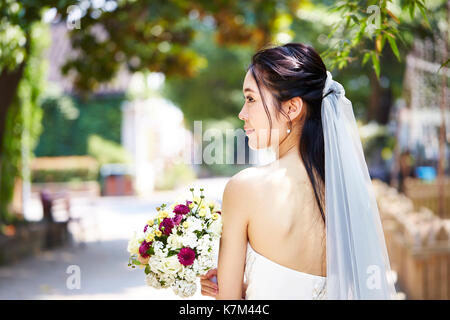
column 98, row 100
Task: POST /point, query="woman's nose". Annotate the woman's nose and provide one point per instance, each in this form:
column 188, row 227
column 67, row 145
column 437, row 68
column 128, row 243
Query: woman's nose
column 242, row 115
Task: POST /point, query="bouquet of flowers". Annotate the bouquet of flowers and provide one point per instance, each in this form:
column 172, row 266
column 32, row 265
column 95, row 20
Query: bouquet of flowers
column 178, row 245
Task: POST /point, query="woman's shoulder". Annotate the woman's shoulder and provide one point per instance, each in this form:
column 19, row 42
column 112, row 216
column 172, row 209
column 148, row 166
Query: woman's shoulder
column 244, row 187
column 243, row 180
column 250, row 179
column 248, row 174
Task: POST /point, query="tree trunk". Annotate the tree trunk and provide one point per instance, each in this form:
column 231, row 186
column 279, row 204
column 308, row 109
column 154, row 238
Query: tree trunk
column 380, row 101
column 374, row 100
column 9, row 82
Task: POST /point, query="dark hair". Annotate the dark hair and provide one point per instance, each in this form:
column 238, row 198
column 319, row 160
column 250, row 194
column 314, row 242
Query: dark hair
column 296, row 70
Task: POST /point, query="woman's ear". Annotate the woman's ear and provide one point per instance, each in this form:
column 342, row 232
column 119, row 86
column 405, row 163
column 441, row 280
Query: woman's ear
column 294, row 108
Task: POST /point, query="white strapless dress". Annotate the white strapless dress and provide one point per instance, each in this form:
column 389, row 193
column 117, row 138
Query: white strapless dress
column 267, row 280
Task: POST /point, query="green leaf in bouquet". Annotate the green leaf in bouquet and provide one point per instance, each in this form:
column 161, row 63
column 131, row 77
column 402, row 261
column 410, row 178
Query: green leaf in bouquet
column 172, row 253
column 150, row 251
column 163, row 239
column 147, row 269
column 130, row 264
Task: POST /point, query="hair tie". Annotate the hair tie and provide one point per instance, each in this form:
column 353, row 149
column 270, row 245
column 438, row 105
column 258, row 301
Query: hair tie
column 331, row 91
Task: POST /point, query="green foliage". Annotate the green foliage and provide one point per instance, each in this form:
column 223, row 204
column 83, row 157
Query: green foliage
column 68, row 123
column 216, row 92
column 105, row 151
column 362, row 31
column 23, row 120
column 155, row 35
column 59, row 118
column 17, row 19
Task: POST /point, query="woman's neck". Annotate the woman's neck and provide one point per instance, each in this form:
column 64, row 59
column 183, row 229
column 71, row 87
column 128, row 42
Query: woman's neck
column 287, row 150
column 289, row 144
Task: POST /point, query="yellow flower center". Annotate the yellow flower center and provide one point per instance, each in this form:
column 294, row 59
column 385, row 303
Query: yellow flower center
column 202, row 212
column 150, row 237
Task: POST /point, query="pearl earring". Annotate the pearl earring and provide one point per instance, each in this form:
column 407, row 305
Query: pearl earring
column 288, row 130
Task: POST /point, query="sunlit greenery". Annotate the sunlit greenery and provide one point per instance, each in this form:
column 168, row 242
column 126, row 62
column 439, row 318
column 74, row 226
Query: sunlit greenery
column 202, row 47
column 23, row 121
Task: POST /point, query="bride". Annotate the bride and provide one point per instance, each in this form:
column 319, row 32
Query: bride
column 286, row 233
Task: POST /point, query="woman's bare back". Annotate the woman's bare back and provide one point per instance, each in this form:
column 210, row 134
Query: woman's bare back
column 285, row 225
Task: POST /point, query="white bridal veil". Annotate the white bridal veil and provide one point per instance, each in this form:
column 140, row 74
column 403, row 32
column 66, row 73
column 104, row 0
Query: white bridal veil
column 357, row 260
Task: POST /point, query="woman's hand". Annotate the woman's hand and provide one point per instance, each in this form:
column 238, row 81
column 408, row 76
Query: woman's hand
column 142, row 260
column 210, row 288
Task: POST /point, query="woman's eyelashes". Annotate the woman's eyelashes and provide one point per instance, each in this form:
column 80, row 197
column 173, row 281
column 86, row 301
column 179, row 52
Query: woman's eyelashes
column 249, row 99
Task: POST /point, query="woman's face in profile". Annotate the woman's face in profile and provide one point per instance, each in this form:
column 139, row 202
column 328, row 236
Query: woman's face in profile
column 255, row 118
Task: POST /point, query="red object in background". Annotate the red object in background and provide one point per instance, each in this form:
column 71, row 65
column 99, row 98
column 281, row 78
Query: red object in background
column 118, row 185
column 9, row 230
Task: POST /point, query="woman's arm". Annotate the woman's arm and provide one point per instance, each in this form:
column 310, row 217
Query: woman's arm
column 211, row 289
column 233, row 242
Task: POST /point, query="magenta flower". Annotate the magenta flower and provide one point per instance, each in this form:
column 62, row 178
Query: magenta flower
column 186, row 256
column 219, row 212
column 143, row 249
column 188, row 202
column 145, row 228
column 167, row 223
column 177, row 219
column 181, row 209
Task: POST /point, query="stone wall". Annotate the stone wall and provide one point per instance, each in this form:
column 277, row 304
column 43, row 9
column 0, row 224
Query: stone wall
column 418, row 244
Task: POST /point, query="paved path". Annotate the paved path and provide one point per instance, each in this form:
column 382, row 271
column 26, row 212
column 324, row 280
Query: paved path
column 109, row 222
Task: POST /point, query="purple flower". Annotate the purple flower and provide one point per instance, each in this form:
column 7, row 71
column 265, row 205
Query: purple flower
column 177, row 219
column 181, row 209
column 145, row 228
column 188, row 202
column 186, row 256
column 143, row 249
column 167, row 223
